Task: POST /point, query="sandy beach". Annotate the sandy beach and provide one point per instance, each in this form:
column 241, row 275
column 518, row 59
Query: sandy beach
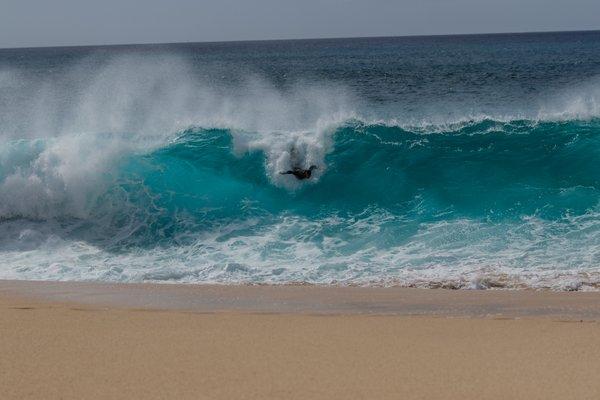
column 74, row 341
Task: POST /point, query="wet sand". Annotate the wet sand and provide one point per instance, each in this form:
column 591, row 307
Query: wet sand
column 97, row 341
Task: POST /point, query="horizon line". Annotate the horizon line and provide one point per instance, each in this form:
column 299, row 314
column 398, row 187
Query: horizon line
column 299, row 39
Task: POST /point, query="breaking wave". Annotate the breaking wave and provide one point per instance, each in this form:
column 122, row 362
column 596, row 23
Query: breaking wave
column 144, row 171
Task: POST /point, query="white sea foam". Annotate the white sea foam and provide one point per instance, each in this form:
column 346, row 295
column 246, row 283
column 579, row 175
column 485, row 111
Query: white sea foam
column 457, row 254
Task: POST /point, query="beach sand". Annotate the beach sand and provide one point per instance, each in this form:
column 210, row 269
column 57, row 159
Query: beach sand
column 95, row 341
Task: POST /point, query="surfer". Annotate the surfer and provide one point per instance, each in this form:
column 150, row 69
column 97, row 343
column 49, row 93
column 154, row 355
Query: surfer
column 300, row 173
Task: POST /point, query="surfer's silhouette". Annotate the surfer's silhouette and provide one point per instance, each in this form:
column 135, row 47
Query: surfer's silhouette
column 300, row 173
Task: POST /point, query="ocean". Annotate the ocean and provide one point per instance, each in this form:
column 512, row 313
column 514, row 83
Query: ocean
column 467, row 162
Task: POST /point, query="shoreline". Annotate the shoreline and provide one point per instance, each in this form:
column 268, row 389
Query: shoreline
column 312, row 299
column 156, row 341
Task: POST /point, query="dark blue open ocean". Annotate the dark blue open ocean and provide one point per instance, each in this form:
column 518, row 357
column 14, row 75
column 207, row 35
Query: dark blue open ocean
column 453, row 161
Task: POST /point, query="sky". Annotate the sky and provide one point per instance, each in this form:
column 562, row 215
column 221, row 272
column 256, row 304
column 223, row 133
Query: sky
column 32, row 23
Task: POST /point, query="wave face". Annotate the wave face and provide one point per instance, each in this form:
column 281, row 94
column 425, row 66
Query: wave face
column 148, row 167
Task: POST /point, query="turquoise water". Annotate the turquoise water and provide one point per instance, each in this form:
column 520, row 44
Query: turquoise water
column 464, row 162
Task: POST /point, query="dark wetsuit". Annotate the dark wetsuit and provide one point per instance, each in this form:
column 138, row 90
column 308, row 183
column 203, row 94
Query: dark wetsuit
column 300, row 173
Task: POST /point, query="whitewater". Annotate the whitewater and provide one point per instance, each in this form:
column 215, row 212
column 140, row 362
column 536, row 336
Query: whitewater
column 458, row 162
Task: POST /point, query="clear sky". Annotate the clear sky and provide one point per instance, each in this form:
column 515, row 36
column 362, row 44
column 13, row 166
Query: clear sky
column 82, row 22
